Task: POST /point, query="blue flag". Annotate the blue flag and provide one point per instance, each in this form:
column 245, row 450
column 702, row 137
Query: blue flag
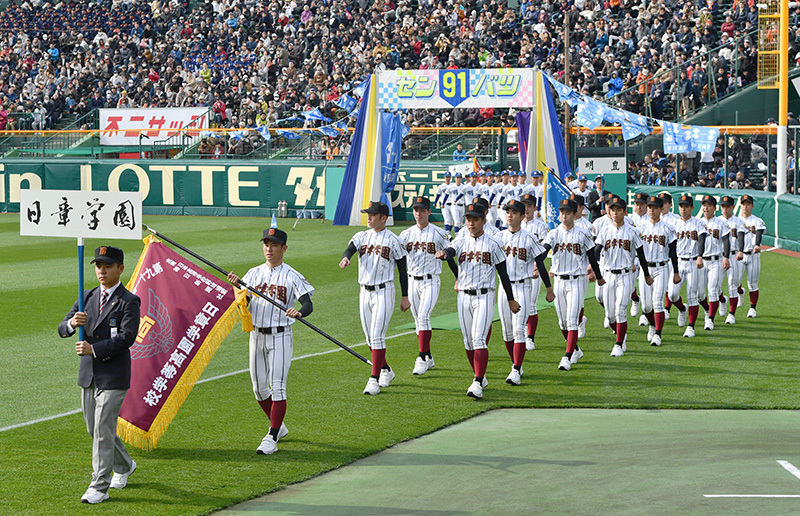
column 238, row 135
column 404, row 130
column 274, row 222
column 590, row 114
column 674, row 141
column 631, row 130
column 209, row 134
column 704, row 139
column 264, row 132
column 391, row 142
column 341, row 124
column 315, row 114
column 359, row 90
column 346, row 102
column 555, row 191
column 289, row 135
column 329, row 131
column 615, row 116
column 565, row 93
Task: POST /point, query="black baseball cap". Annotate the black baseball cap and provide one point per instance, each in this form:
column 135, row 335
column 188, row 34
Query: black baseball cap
column 421, row 202
column 710, row 199
column 376, row 208
column 529, row 198
column 727, row 200
column 108, row 254
column 655, row 201
column 475, row 210
column 483, row 202
column 617, row 201
column 666, row 197
column 746, row 198
column 686, row 199
column 579, row 199
column 274, row 235
column 640, row 197
column 515, row 205
column 568, row 204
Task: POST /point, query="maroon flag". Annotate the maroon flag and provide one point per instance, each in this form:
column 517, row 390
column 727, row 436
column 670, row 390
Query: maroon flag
column 186, row 313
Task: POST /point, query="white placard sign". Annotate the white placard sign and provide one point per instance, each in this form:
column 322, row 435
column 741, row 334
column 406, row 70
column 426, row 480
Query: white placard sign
column 76, row 213
column 603, row 165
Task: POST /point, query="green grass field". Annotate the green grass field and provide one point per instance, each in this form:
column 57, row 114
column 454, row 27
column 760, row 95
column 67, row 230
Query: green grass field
column 206, row 459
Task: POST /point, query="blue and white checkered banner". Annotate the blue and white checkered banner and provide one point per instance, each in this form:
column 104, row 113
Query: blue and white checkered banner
column 444, row 89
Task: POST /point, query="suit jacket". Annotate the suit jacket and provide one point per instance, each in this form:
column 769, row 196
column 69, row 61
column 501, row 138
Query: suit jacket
column 110, row 367
column 594, row 204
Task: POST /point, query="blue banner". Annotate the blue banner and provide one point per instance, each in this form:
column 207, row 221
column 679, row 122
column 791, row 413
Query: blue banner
column 555, row 192
column 391, row 142
column 590, row 114
column 264, row 132
column 346, row 102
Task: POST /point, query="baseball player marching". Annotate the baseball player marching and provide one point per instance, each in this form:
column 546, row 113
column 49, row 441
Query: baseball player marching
column 271, row 342
column 524, row 253
column 620, row 242
column 638, row 217
column 573, row 250
column 379, row 250
column 583, row 223
column 736, row 258
column 717, row 249
column 479, row 256
column 671, row 219
column 444, row 200
column 691, row 234
column 538, row 229
column 421, row 242
column 752, row 250
column 459, row 200
column 660, row 249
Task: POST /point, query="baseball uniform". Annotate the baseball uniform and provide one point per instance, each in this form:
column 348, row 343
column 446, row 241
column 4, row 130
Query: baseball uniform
column 752, row 256
column 660, row 249
column 444, row 200
column 691, row 235
column 736, row 270
column 717, row 250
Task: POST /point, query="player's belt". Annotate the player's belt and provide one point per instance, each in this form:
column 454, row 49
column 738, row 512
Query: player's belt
column 620, row 271
column 448, row 203
column 459, row 204
column 687, row 259
column 657, row 264
column 519, row 281
column 420, row 278
column 567, row 276
column 476, row 291
column 270, row 331
column 712, row 258
column 747, row 252
column 372, row 288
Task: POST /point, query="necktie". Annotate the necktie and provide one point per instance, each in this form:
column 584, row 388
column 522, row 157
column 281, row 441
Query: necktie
column 103, row 299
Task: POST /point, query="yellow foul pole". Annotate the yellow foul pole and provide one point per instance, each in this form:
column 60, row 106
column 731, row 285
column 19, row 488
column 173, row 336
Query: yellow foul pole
column 783, row 98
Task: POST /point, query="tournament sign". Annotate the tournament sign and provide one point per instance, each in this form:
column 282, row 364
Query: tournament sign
column 445, row 89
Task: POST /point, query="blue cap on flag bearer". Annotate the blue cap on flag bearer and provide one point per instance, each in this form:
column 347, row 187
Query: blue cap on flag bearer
column 274, row 222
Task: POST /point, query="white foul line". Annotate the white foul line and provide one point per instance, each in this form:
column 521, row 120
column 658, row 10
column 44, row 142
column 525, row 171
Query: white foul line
column 788, row 466
column 78, row 411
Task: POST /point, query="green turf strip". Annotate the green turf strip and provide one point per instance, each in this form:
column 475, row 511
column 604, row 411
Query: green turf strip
column 566, row 461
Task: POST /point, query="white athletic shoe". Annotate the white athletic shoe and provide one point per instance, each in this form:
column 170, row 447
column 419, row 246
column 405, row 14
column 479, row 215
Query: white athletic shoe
column 386, row 377
column 282, row 431
column 634, row 308
column 484, row 383
column 606, row 324
column 513, row 377
column 731, row 319
column 475, row 390
column 93, row 496
column 681, row 318
column 372, row 387
column 268, row 446
column 689, row 332
column 420, row 366
column 650, row 333
column 529, row 344
column 576, row 355
column 582, row 328
column 709, row 325
column 617, row 351
column 723, row 308
column 656, row 340
column 429, row 362
column 751, row 313
column 120, row 480
column 666, row 314
column 643, row 320
column 565, row 364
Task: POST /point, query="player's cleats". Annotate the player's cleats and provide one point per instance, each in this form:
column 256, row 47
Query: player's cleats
column 120, row 480
column 576, row 355
column 731, row 319
column 681, row 318
column 282, row 431
column 634, row 308
column 475, row 390
column 751, row 313
column 484, row 383
column 709, row 325
column 268, row 446
column 689, row 332
column 582, row 328
column 387, row 375
column 513, row 377
column 617, row 351
column 564, row 365
column 656, row 340
column 92, row 495
column 529, row 344
column 643, row 320
column 420, row 366
column 429, row 362
column 650, row 333
column 372, row 387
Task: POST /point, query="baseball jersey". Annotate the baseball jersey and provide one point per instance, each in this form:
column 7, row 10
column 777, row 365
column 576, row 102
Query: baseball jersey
column 377, row 252
column 421, row 246
column 476, row 259
column 656, row 239
column 619, row 245
column 536, row 227
column 483, row 191
column 449, row 193
column 539, row 192
column 584, row 224
column 584, row 194
column 687, row 233
column 521, row 250
column 498, row 189
column 752, row 224
column 637, row 220
column 737, row 227
column 283, row 284
column 441, row 193
column 512, row 193
column 468, row 192
column 671, row 218
column 528, row 189
column 488, row 229
column 570, row 248
column 718, row 230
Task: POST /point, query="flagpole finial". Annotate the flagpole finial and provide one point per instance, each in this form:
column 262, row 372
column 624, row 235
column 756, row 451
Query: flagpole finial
column 274, row 222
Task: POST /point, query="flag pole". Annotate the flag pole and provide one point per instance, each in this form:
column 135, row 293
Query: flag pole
column 81, row 330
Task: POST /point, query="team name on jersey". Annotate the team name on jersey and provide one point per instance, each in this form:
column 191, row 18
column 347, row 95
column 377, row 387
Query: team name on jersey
column 424, row 247
column 655, row 239
column 517, row 252
column 476, row 256
column 278, row 292
column 570, row 248
column 751, row 229
column 617, row 242
column 381, row 250
column 687, row 234
column 714, row 233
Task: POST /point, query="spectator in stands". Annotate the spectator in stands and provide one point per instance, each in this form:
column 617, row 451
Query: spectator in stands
column 460, row 154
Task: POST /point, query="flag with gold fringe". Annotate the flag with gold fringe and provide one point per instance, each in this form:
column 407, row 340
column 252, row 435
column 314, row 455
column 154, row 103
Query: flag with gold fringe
column 186, row 313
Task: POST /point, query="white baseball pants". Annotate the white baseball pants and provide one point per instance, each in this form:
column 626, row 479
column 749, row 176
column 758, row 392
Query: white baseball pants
column 652, row 296
column 689, row 274
column 422, row 294
column 376, row 312
column 270, row 359
column 515, row 325
column 710, row 277
column 475, row 313
column 569, row 301
column 752, row 264
column 617, row 295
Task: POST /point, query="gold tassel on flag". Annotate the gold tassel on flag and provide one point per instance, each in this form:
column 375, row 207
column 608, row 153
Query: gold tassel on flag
column 244, row 313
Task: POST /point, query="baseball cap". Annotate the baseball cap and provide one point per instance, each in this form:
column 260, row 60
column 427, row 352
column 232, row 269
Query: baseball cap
column 641, row 197
column 618, row 201
column 375, row 208
column 529, row 198
column 274, row 235
column 655, row 201
column 457, row 174
column 582, row 178
column 421, row 202
column 475, row 210
column 666, row 197
column 448, row 174
column 567, row 204
column 746, row 198
column 570, row 174
column 536, row 173
column 710, row 199
column 483, row 202
column 579, row 200
column 515, row 205
column 686, row 199
column 505, row 172
column 727, row 200
column 108, row 254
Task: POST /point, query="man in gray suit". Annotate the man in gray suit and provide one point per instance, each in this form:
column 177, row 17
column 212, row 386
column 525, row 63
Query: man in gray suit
column 111, row 322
